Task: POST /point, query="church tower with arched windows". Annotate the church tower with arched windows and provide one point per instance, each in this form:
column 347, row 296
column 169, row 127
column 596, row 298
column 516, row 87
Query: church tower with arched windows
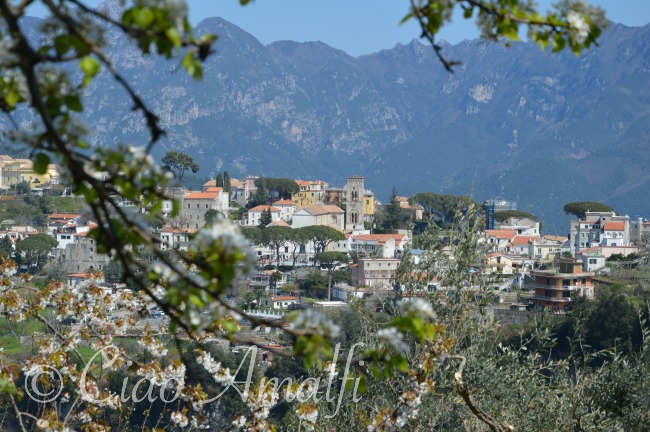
column 354, row 215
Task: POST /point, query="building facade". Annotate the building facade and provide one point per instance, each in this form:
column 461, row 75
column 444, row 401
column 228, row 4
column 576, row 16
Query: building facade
column 557, row 288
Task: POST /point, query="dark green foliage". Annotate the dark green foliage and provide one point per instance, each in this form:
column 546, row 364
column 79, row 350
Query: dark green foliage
column 392, row 216
column 320, row 236
column 265, row 218
column 211, row 216
column 275, row 237
column 253, row 235
column 219, row 180
column 579, row 208
column 260, row 197
column 56, row 273
column 314, row 284
column 226, row 182
column 23, row 188
column 154, row 223
column 613, row 323
column 6, row 247
column 113, row 272
column 179, row 163
column 442, row 208
column 284, row 187
column 507, row 214
column 32, row 252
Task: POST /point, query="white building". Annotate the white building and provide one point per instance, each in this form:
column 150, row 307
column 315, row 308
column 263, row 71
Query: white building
column 287, row 209
column 327, row 215
column 176, row 238
column 254, row 216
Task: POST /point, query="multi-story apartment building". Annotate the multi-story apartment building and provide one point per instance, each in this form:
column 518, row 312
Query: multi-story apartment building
column 557, row 288
column 374, row 272
column 599, row 229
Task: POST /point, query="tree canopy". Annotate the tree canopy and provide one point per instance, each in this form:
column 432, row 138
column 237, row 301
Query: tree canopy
column 284, row 187
column 580, row 208
column 34, row 250
column 179, row 163
column 507, row 214
column 442, row 207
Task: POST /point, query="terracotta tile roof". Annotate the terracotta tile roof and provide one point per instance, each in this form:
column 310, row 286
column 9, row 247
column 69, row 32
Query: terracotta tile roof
column 523, row 240
column 213, row 189
column 209, row 183
column 86, row 275
column 261, row 208
column 63, row 216
column 279, row 223
column 284, row 298
column 175, row 230
column 380, row 238
column 236, row 184
column 302, row 182
column 321, row 209
column 614, row 226
column 284, row 203
column 200, row 195
column 555, row 238
column 501, row 234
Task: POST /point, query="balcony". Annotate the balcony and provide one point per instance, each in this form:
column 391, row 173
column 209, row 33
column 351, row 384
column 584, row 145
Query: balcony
column 551, row 299
column 559, row 288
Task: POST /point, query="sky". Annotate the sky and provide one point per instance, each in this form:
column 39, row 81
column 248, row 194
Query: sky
column 363, row 26
column 360, row 26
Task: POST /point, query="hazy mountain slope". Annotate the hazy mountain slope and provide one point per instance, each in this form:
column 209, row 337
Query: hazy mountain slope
column 537, row 128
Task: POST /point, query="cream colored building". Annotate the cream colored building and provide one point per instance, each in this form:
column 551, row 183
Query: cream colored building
column 14, row 171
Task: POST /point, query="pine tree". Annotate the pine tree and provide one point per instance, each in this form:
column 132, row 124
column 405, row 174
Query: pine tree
column 265, row 218
column 226, row 182
column 219, row 180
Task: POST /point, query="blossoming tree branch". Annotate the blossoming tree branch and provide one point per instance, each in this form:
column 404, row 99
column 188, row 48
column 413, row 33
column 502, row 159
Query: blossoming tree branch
column 48, row 77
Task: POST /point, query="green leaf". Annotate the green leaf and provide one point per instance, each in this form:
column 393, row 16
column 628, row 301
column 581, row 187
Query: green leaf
column 173, row 36
column 90, row 68
column 73, row 102
column 62, row 44
column 12, row 97
column 41, row 162
column 192, row 66
column 143, row 17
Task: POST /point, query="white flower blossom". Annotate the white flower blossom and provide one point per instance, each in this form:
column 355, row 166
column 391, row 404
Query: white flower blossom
column 580, row 28
column 310, row 319
column 394, row 338
column 180, row 419
column 417, row 307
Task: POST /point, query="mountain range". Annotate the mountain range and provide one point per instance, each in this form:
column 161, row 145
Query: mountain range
column 515, row 123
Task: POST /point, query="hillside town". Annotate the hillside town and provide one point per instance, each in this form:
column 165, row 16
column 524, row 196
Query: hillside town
column 528, row 270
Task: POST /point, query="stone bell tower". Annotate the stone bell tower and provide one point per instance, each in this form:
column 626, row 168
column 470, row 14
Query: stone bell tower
column 354, row 216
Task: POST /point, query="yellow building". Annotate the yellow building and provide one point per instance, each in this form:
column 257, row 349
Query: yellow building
column 311, row 193
column 14, row 171
column 368, row 205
